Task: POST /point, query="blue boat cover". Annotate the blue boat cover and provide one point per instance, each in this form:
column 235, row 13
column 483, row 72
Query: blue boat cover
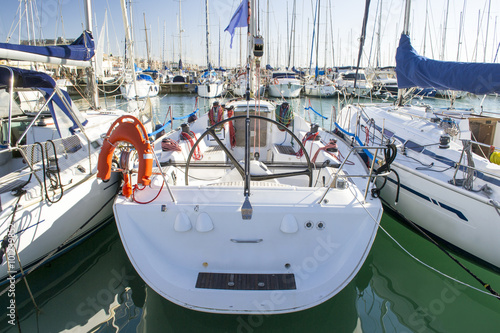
column 58, row 101
column 81, row 49
column 145, row 77
column 414, row 70
column 24, row 78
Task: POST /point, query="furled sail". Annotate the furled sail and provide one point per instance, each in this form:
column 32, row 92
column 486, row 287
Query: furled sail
column 78, row 53
column 414, row 70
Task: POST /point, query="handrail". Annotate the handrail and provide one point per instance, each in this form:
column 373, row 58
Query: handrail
column 168, row 122
column 369, row 175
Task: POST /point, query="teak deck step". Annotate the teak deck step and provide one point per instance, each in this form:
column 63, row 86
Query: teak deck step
column 246, row 281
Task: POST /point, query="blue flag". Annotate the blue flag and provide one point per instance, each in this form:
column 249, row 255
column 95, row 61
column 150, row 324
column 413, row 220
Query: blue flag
column 239, row 19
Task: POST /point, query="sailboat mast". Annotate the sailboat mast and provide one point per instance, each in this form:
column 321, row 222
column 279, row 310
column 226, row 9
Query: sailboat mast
column 208, row 34
column 379, row 55
column 406, row 29
column 147, row 42
column 180, row 31
column 91, row 80
column 487, row 26
column 445, row 26
column 425, row 25
column 460, row 31
column 128, row 36
column 317, row 40
column 312, row 44
column 268, row 40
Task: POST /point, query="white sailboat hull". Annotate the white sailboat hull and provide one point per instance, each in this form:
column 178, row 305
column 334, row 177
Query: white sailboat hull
column 285, row 89
column 464, row 218
column 144, row 89
column 211, row 90
column 302, row 244
column 40, row 230
column 321, row 266
column 320, row 90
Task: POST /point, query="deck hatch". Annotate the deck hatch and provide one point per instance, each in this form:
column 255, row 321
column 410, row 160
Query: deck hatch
column 285, row 150
column 246, row 281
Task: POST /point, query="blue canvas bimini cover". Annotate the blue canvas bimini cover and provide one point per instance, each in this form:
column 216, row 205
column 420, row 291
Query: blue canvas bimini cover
column 414, row 70
column 24, row 78
column 81, row 49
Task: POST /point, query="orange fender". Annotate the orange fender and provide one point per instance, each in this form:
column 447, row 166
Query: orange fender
column 129, row 129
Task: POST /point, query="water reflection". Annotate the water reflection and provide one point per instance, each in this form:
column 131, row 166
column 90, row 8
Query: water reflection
column 87, row 288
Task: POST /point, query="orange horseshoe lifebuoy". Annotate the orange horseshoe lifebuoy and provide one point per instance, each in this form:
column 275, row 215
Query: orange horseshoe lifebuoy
column 129, row 129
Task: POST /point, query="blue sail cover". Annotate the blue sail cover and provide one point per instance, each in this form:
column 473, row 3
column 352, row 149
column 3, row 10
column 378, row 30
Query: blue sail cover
column 414, row 70
column 81, row 49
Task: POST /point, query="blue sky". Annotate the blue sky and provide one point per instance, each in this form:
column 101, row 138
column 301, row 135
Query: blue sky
column 344, row 22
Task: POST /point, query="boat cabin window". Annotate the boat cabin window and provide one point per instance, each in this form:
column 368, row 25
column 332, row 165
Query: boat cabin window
column 283, row 75
column 4, row 106
column 352, row 76
column 414, row 146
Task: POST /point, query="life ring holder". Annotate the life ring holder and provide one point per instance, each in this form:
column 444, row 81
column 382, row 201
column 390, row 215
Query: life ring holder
column 129, row 129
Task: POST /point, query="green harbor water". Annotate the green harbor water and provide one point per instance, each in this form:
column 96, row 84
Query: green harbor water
column 94, row 287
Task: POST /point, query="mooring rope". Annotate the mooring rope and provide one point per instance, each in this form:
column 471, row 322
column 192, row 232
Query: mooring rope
column 490, row 292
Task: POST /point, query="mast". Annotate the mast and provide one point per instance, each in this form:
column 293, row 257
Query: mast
column 312, row 46
column 326, row 37
column 379, row 55
column 487, row 26
column 460, row 30
column 130, row 44
column 91, row 79
column 317, row 41
column 425, row 25
column 219, row 46
column 406, row 29
column 180, row 32
column 445, row 26
column 331, row 32
column 147, row 42
column 208, row 34
column 268, row 40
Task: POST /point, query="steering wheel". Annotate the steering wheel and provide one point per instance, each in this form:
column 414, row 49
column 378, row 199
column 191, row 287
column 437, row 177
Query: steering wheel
column 308, row 171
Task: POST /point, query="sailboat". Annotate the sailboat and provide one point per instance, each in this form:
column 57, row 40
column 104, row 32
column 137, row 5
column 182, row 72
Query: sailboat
column 50, row 196
column 211, row 84
column 446, row 175
column 138, row 84
column 319, row 85
column 285, row 84
column 244, row 203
